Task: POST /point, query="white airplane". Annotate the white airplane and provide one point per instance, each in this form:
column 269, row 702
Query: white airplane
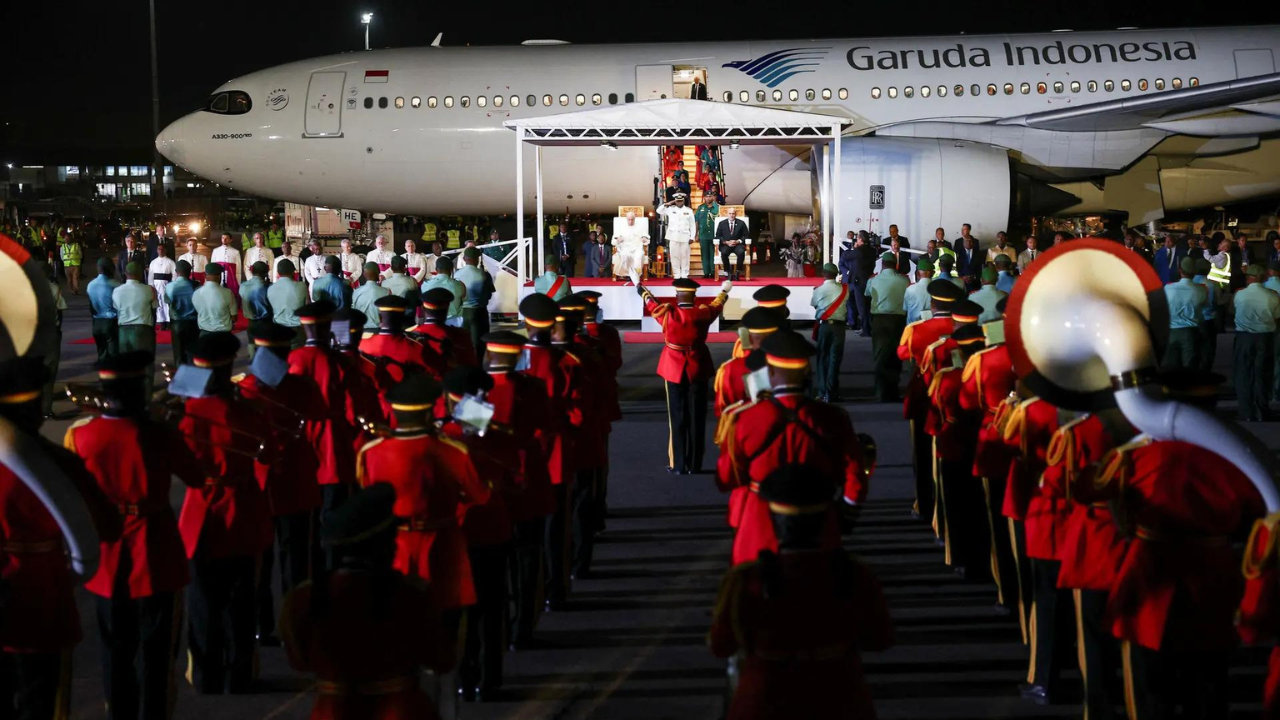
column 974, row 129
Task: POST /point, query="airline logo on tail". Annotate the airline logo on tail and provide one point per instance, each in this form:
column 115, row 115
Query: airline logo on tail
column 773, row 69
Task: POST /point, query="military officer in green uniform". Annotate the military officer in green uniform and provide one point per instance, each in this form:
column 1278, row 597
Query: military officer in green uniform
column 887, row 290
column 135, row 312
column 215, row 305
column 551, row 283
column 1187, row 301
column 988, row 295
column 916, row 300
column 705, row 219
column 830, row 303
column 1257, row 310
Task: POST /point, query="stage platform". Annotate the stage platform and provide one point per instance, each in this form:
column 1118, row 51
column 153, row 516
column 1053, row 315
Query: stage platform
column 622, row 302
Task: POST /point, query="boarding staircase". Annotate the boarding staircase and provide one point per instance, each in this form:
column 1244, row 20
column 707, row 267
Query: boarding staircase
column 689, row 156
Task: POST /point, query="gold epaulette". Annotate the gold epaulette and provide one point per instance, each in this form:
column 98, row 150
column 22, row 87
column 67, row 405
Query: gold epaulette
column 360, row 478
column 454, row 444
column 69, row 439
column 1062, row 450
column 1016, row 421
column 738, row 351
column 237, row 379
column 1258, row 559
column 907, row 332
column 660, row 310
column 728, row 419
column 934, row 386
column 926, row 364
column 1115, row 464
column 716, row 384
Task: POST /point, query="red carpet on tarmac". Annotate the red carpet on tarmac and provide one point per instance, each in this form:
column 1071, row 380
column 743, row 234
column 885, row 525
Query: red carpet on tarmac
column 641, row 338
column 163, row 337
column 585, row 282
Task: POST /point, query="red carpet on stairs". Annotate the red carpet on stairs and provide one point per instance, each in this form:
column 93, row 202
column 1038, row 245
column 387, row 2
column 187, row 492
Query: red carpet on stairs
column 164, row 337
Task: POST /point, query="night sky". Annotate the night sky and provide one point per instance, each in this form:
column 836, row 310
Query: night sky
column 79, row 73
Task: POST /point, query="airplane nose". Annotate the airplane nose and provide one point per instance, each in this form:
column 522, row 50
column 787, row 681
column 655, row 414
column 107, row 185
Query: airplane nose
column 174, row 141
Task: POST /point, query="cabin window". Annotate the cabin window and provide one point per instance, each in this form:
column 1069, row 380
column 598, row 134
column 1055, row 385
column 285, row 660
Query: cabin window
column 760, row 97
column 530, row 100
column 448, row 101
column 875, row 93
column 1142, row 84
column 630, row 97
column 744, row 96
column 416, row 101
column 1008, row 88
column 481, row 101
column 1057, row 88
column 464, row 101
column 924, row 91
column 1177, row 83
column 1042, row 88
column 580, row 99
column 399, row 103
column 613, row 99
column 515, row 101
column 1126, row 85
column 546, row 100
column 727, row 96
column 1075, row 86
column 1025, row 88
column 368, row 103
column 1159, row 83
column 777, row 96
column 942, row 91
column 1093, row 86
column 382, row 103
column 991, row 89
column 596, row 99
column 959, row 90
column 793, row 95
column 975, row 89
column 1108, row 86
column 843, row 94
column 810, row 94
column 1193, row 82
column 908, row 91
column 497, row 101
column 826, row 93
column 893, row 92
column 564, row 100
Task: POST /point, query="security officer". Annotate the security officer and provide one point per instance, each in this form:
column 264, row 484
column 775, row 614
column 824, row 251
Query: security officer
column 1187, row 302
column 830, row 303
column 133, row 459
column 365, row 630
column 275, row 238
column 1004, row 276
column 254, row 302
column 988, row 295
column 685, row 367
column 799, row 615
column 215, row 305
column 184, row 319
column 1257, row 310
column 135, row 305
column 551, row 283
column 225, row 527
column 916, row 299
column 440, row 342
column 887, row 291
column 789, row 428
column 398, row 283
column 103, row 309
column 330, row 285
column 366, row 297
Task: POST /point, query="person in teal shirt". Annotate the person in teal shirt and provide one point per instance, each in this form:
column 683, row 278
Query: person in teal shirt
column 887, row 290
column 480, row 288
column 988, row 296
column 184, row 321
column 135, row 305
column 254, row 302
column 105, row 326
column 916, row 300
column 1186, row 302
column 330, row 285
column 946, row 263
column 398, row 283
column 1004, row 278
column 830, row 303
column 1257, row 310
column 366, row 297
column 551, row 282
column 215, row 305
column 444, row 279
column 287, row 296
column 1209, row 321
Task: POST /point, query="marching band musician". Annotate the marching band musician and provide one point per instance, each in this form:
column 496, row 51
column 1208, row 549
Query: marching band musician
column 519, row 405
column 141, row 575
column 607, row 341
column 444, row 343
column 730, row 383
column 225, row 526
column 591, row 444
column 397, row 356
column 359, row 376
column 789, row 428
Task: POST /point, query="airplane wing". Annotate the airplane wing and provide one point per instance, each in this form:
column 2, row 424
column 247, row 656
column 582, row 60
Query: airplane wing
column 1177, row 111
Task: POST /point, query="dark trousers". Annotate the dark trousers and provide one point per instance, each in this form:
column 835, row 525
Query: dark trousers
column 588, row 519
column 1254, row 364
column 182, row 336
column 687, row 424
column 1184, row 348
column 220, row 609
column 557, row 545
column 708, row 250
column 331, row 496
column 293, row 545
column 967, row 534
column 1099, row 654
column 1050, row 623
column 886, row 331
column 476, row 319
column 139, row 645
column 861, row 307
column 830, row 354
column 486, row 641
column 1157, row 681
column 105, row 336
column 566, row 267
column 1209, row 331
column 526, row 576
column 922, row 460
column 1022, row 566
column 1003, row 563
column 35, row 686
column 734, row 271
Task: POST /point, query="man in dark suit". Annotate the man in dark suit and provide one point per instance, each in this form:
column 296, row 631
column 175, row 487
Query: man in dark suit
column 965, row 234
column 130, row 253
column 1168, row 259
column 969, row 261
column 699, row 89
column 902, row 239
column 857, row 264
column 599, row 255
column 562, row 246
column 732, row 235
column 903, row 260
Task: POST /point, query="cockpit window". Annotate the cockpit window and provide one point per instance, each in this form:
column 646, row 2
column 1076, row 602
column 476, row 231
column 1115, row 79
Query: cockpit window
column 232, row 102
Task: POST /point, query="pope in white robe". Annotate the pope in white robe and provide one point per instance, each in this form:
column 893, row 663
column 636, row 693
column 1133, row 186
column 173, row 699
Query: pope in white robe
column 632, row 244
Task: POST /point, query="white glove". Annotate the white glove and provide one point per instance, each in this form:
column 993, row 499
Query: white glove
column 726, row 286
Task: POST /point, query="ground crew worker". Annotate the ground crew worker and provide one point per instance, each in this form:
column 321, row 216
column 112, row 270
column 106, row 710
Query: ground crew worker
column 275, row 238
column 71, row 253
column 395, row 355
column 685, row 367
column 988, row 295
column 913, row 345
column 830, row 303
column 519, row 403
column 440, row 342
column 365, row 630
column 215, row 305
column 799, row 615
column 551, row 283
column 1257, row 310
column 105, row 323
column 293, row 494
column 225, row 526
column 916, row 299
column 141, row 572
column 135, row 305
column 788, row 428
column 365, row 298
column 887, row 291
column 444, row 279
column 1186, row 302
column 287, row 296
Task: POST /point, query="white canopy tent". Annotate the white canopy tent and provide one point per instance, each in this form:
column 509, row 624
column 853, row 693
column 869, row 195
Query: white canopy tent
column 676, row 122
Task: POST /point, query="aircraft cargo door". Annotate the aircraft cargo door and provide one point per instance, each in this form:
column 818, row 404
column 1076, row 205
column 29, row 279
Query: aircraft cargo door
column 653, row 82
column 1252, row 63
column 324, row 105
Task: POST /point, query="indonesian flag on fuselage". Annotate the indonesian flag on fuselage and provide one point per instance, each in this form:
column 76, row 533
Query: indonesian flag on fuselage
column 376, row 75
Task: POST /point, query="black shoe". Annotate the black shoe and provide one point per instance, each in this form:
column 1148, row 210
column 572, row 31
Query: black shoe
column 939, row 542
column 1002, row 610
column 672, row 470
column 268, row 641
column 959, row 570
column 1038, row 694
column 915, row 514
